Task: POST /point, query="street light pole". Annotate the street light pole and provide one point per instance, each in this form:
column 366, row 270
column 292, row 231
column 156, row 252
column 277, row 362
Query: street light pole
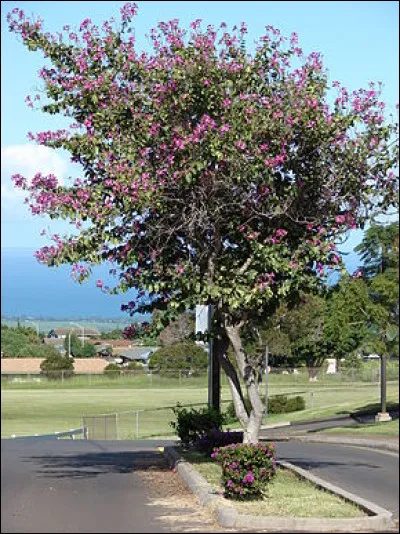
column 383, row 415
column 69, row 344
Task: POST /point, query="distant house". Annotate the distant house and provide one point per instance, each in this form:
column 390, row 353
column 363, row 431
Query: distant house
column 134, row 354
column 103, row 350
column 64, row 332
column 114, row 343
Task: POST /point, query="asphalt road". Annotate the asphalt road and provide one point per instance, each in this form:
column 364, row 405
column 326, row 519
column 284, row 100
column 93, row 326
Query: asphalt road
column 76, row 486
column 370, row 474
column 91, row 486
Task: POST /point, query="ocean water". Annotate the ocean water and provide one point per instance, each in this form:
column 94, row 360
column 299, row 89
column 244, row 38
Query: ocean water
column 31, row 289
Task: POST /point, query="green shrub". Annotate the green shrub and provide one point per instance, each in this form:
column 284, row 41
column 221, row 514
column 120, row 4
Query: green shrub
column 352, row 361
column 133, row 366
column 78, row 348
column 295, row 404
column 57, row 367
column 190, row 423
column 112, row 369
column 246, row 468
column 170, row 360
column 276, row 404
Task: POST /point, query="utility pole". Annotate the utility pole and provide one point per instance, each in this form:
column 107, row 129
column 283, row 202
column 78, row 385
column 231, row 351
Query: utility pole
column 383, row 415
column 83, row 332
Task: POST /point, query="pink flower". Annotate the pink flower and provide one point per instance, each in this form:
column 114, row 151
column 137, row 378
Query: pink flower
column 248, row 478
column 268, row 162
column 241, row 145
column 225, row 128
column 99, row 283
column 281, row 232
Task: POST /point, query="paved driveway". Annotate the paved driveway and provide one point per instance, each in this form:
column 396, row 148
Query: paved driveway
column 371, row 474
column 76, row 486
column 88, row 486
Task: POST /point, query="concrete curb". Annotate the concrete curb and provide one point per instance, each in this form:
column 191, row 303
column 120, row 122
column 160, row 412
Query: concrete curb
column 379, row 520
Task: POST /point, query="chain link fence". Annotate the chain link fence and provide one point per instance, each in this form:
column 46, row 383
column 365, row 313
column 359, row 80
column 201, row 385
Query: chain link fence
column 368, row 373
column 103, row 426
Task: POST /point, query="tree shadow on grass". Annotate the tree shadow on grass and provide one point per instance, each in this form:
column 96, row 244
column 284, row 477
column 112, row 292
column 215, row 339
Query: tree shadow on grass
column 89, row 465
column 372, row 409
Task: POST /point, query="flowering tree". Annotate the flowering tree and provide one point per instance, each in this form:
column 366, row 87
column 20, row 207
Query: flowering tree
column 211, row 175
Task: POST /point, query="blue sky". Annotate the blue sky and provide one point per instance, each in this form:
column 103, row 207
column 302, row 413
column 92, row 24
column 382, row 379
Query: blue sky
column 359, row 42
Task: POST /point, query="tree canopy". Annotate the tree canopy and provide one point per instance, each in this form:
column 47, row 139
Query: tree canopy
column 210, row 174
column 379, row 250
column 23, row 342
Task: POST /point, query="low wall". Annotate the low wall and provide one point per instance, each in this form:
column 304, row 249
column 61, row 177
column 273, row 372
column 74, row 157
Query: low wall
column 32, row 365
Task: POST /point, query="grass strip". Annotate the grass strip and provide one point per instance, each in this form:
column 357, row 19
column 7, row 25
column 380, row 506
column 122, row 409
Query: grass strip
column 384, row 428
column 287, row 495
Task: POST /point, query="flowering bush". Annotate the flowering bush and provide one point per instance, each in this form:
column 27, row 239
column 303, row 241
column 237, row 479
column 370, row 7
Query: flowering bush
column 217, row 438
column 246, row 468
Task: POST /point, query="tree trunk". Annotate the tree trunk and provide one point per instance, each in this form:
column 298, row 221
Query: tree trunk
column 312, row 374
column 249, row 375
column 221, row 348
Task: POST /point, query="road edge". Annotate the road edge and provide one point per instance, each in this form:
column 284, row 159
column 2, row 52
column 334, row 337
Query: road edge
column 379, row 519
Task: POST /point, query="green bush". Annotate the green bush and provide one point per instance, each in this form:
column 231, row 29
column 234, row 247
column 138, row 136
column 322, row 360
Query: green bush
column 112, row 369
column 57, row 367
column 170, row 360
column 352, row 361
column 78, row 348
column 295, row 404
column 190, row 423
column 246, row 468
column 276, row 404
column 133, row 366
column 22, row 342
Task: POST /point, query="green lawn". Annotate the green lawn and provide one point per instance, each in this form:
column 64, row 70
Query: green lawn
column 389, row 429
column 43, row 410
column 285, row 497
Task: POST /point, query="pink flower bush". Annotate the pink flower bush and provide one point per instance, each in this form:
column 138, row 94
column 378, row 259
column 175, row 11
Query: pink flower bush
column 246, row 468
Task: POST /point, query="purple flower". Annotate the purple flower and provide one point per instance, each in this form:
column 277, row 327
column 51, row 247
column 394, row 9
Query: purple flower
column 249, row 478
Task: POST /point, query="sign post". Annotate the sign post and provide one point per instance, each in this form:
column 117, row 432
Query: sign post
column 203, row 325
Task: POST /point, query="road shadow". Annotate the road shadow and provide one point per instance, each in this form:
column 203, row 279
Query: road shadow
column 311, row 464
column 93, row 464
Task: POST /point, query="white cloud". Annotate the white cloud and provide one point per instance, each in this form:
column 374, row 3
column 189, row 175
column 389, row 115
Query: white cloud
column 26, row 160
